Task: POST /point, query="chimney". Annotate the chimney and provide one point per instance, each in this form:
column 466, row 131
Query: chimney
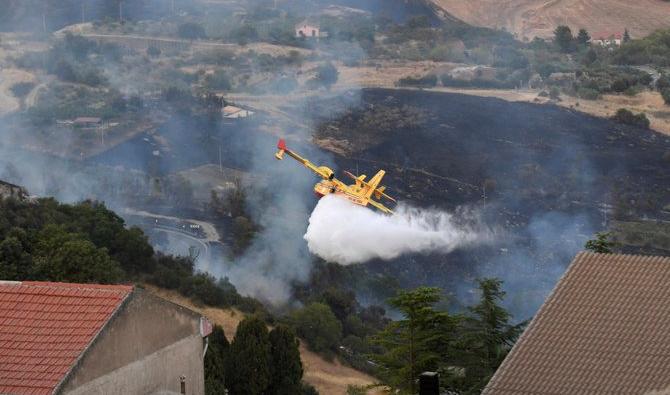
column 429, row 383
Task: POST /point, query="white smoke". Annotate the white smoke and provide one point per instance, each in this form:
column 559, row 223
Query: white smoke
column 340, row 231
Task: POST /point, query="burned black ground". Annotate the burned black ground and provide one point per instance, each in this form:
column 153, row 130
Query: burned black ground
column 546, row 178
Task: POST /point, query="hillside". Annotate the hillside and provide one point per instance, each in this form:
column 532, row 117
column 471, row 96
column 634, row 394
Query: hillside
column 327, row 377
column 530, row 18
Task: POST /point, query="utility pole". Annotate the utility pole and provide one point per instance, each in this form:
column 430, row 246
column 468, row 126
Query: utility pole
column 120, row 11
column 44, row 18
column 220, row 161
column 172, row 7
column 83, row 12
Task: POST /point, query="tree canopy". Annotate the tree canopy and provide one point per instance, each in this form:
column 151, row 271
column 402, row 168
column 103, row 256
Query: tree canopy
column 563, row 38
column 286, row 374
column 601, row 244
column 249, row 362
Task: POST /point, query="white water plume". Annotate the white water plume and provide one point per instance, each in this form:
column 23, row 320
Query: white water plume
column 340, row 231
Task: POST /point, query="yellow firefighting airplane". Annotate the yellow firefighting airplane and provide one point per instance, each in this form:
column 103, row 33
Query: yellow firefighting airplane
column 361, row 193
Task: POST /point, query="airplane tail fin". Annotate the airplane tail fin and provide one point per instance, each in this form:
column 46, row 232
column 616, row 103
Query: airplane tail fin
column 281, row 145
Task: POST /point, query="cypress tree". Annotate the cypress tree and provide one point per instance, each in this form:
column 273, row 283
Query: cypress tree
column 488, row 335
column 248, row 363
column 285, row 362
column 215, row 362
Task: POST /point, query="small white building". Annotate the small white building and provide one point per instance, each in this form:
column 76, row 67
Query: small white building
column 236, row 112
column 307, row 29
column 607, row 39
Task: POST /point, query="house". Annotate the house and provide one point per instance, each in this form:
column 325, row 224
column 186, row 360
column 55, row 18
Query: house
column 607, row 39
column 604, row 329
column 87, row 122
column 232, row 112
column 307, row 29
column 8, row 190
column 75, row 339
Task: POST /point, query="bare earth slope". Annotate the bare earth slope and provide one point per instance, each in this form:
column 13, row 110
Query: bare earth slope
column 328, row 377
column 530, row 18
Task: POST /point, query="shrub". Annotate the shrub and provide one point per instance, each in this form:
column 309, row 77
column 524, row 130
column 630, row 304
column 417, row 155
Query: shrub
column 22, row 89
column 663, row 83
column 191, row 31
column 317, row 324
column 588, row 94
column 327, row 74
column 153, row 51
column 428, row 81
column 629, row 118
column 665, row 93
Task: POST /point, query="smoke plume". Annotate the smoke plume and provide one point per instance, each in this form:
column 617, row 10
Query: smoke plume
column 342, row 232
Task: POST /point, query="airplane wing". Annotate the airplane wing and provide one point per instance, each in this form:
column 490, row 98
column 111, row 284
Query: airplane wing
column 374, row 183
column 322, row 171
column 380, row 207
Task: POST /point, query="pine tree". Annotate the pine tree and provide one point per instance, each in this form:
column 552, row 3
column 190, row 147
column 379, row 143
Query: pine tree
column 488, row 335
column 417, row 343
column 285, row 362
column 563, row 38
column 215, row 362
column 583, row 37
column 601, row 244
column 626, row 36
column 248, row 362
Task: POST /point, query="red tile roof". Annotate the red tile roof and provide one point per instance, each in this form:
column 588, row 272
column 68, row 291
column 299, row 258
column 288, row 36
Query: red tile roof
column 605, row 329
column 45, row 327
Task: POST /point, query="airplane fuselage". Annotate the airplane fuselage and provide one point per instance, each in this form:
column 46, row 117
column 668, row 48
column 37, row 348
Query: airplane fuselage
column 326, row 187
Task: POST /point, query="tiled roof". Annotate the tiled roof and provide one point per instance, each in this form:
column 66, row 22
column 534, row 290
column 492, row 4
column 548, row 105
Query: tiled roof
column 45, row 327
column 604, row 329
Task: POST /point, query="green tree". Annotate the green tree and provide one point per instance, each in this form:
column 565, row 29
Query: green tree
column 318, row 326
column 563, row 38
column 665, row 93
column 601, row 244
column 153, row 51
column 218, row 81
column 215, row 362
column 248, row 363
column 629, row 118
column 418, row 342
column 243, row 234
column 15, row 262
column 487, row 336
column 590, row 57
column 626, row 36
column 67, row 257
column 327, row 74
column 286, row 378
column 583, row 37
column 191, row 31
